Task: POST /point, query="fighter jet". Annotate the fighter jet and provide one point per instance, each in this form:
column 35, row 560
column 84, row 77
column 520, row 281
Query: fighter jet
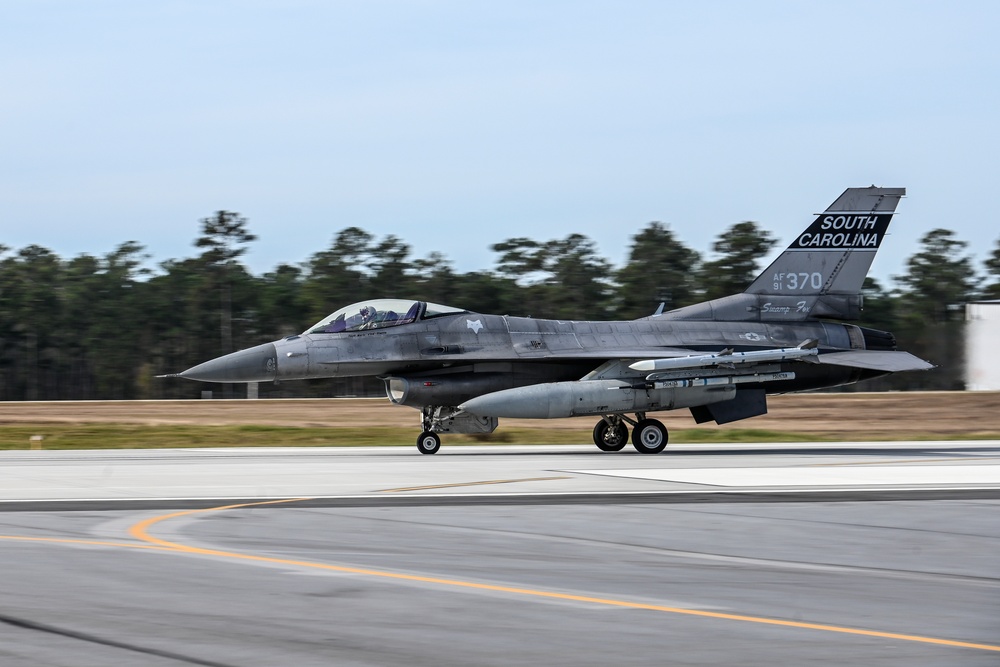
column 464, row 370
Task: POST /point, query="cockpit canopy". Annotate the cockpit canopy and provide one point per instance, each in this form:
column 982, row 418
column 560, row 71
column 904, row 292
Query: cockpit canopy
column 379, row 314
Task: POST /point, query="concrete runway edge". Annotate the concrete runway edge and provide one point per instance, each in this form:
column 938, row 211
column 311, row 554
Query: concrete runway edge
column 459, row 500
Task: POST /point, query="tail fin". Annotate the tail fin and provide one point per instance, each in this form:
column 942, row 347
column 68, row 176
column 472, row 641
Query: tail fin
column 820, row 274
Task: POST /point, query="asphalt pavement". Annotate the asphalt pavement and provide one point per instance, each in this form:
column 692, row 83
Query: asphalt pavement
column 773, row 554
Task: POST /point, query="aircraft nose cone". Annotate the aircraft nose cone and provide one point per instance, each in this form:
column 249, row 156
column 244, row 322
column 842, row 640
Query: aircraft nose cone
column 254, row 364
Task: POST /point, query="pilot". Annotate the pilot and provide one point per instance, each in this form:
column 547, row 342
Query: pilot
column 367, row 317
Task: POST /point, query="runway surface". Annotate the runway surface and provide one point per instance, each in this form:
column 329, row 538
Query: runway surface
column 858, row 553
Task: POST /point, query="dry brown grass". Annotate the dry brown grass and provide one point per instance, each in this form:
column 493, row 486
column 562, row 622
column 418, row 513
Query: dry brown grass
column 880, row 416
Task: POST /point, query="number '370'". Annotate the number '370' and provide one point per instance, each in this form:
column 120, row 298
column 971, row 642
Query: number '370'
column 798, row 281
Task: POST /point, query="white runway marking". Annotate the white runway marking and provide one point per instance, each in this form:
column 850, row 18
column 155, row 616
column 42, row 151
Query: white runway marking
column 853, row 476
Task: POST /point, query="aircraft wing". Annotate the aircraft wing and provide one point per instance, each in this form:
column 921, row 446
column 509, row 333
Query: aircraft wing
column 878, row 360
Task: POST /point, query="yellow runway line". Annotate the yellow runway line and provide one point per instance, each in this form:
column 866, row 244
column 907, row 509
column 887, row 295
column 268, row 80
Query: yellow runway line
column 140, row 532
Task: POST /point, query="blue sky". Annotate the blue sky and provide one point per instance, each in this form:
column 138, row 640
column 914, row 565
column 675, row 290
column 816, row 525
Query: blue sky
column 456, row 125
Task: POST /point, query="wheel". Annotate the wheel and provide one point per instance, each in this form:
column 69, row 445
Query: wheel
column 428, row 443
column 649, row 437
column 610, row 438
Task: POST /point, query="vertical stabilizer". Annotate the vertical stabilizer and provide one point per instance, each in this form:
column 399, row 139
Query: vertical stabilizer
column 820, row 274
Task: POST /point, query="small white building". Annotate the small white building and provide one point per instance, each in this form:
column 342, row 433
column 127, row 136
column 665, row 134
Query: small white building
column 982, row 341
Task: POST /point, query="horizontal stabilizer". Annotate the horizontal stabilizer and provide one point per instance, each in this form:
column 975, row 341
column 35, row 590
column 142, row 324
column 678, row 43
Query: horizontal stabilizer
column 878, row 360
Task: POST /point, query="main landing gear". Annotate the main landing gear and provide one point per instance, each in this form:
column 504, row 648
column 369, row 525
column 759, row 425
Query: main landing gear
column 611, row 434
column 649, row 436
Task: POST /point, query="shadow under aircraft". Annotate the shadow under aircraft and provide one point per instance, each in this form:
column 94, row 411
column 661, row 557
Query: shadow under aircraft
column 465, row 370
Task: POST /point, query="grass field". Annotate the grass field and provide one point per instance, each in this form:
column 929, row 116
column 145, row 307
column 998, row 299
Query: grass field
column 137, row 436
column 369, row 422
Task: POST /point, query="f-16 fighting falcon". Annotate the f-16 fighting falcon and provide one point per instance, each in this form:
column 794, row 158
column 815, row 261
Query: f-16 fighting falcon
column 465, row 370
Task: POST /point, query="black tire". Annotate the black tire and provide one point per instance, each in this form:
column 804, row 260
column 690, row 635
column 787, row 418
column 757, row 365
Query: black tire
column 428, row 443
column 649, row 437
column 610, row 439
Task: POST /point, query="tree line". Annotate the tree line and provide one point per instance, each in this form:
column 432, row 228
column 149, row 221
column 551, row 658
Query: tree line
column 102, row 327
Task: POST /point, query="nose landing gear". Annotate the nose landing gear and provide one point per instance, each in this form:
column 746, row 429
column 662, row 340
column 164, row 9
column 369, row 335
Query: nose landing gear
column 428, row 443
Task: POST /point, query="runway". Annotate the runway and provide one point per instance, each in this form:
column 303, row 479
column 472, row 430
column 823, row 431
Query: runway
column 704, row 555
column 371, row 475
